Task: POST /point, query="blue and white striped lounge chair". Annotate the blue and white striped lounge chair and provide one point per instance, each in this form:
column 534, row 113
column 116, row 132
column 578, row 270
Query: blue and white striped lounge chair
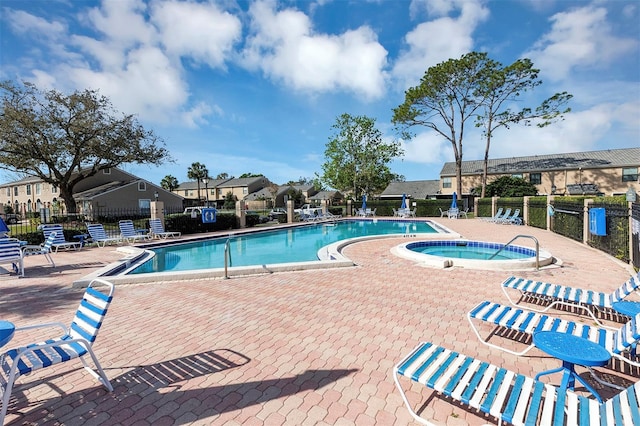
column 128, row 232
column 156, row 230
column 75, row 342
column 513, row 219
column 620, row 343
column 44, row 249
column 556, row 294
column 99, row 235
column 59, row 242
column 509, row 396
column 507, row 213
column 10, row 254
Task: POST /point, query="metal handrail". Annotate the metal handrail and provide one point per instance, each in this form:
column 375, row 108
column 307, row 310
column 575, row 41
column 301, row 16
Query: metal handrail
column 227, row 257
column 515, row 238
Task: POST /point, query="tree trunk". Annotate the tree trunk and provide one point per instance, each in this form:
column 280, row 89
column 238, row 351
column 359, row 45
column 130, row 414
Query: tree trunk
column 485, row 167
column 70, row 203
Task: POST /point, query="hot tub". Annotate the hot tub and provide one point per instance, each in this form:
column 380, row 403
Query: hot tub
column 472, row 254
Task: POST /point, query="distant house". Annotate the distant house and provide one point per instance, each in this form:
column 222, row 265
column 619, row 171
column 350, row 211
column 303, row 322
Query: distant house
column 267, row 198
column 307, row 191
column 608, row 172
column 108, row 189
column 415, row 189
column 241, row 187
column 189, row 190
column 334, row 197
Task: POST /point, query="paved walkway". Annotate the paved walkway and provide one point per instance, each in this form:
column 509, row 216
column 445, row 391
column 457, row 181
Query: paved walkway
column 294, row 348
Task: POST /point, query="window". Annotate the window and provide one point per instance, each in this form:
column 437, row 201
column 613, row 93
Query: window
column 54, row 189
column 516, row 175
column 245, row 190
column 630, row 174
column 38, row 188
column 106, row 171
column 535, row 178
column 446, row 182
column 142, row 186
column 145, row 206
column 15, row 191
column 28, row 189
column 8, row 191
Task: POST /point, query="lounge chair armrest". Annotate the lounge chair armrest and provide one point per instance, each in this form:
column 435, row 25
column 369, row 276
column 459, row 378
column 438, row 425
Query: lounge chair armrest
column 44, row 325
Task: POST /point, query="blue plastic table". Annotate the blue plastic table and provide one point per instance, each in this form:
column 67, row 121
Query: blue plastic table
column 82, row 238
column 626, row 307
column 6, row 332
column 571, row 350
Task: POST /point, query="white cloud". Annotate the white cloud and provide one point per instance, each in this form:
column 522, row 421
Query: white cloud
column 427, row 148
column 24, row 23
column 578, row 38
column 199, row 31
column 432, row 42
column 284, row 46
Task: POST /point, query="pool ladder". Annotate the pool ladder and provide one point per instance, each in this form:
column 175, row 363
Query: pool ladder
column 515, row 238
column 227, row 257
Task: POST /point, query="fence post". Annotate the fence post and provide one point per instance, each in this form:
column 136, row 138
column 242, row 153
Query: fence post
column 290, row 213
column 525, row 210
column 494, row 205
column 157, row 210
column 241, row 213
column 585, row 221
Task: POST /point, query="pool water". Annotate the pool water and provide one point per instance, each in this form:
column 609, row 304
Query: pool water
column 472, row 250
column 297, row 244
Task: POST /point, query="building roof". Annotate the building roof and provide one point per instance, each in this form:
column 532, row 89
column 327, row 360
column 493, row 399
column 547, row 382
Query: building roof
column 418, row 189
column 235, row 182
column 626, row 157
column 192, row 184
column 325, row 195
column 262, row 194
column 100, row 190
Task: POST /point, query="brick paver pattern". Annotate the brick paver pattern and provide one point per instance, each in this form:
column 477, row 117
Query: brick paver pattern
column 294, row 348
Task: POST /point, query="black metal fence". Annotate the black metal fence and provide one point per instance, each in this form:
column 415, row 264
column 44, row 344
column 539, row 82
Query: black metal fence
column 568, row 220
column 616, row 240
column 635, row 234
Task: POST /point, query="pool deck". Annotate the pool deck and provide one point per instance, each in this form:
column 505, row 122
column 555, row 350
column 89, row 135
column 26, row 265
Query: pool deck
column 313, row 347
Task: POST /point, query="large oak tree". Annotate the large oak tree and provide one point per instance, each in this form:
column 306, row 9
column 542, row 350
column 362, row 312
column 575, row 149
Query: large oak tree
column 64, row 139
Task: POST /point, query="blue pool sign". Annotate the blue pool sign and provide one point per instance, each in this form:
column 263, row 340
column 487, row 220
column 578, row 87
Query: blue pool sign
column 208, row 215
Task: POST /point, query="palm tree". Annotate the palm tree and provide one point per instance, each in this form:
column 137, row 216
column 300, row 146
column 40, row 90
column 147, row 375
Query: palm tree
column 198, row 171
column 170, row 183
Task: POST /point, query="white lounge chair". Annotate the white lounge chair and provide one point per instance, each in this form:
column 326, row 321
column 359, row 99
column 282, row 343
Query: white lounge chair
column 157, row 230
column 495, row 216
column 129, row 233
column 99, row 235
column 555, row 294
column 506, row 214
column 508, row 396
column 620, row 343
column 59, row 242
column 44, row 249
column 75, row 342
column 510, row 219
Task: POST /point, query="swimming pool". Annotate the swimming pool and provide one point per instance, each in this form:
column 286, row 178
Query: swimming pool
column 473, row 254
column 289, row 248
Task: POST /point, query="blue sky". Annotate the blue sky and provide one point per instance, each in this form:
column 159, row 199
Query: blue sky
column 256, row 86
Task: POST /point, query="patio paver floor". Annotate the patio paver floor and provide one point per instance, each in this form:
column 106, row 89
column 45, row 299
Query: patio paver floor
column 294, row 348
